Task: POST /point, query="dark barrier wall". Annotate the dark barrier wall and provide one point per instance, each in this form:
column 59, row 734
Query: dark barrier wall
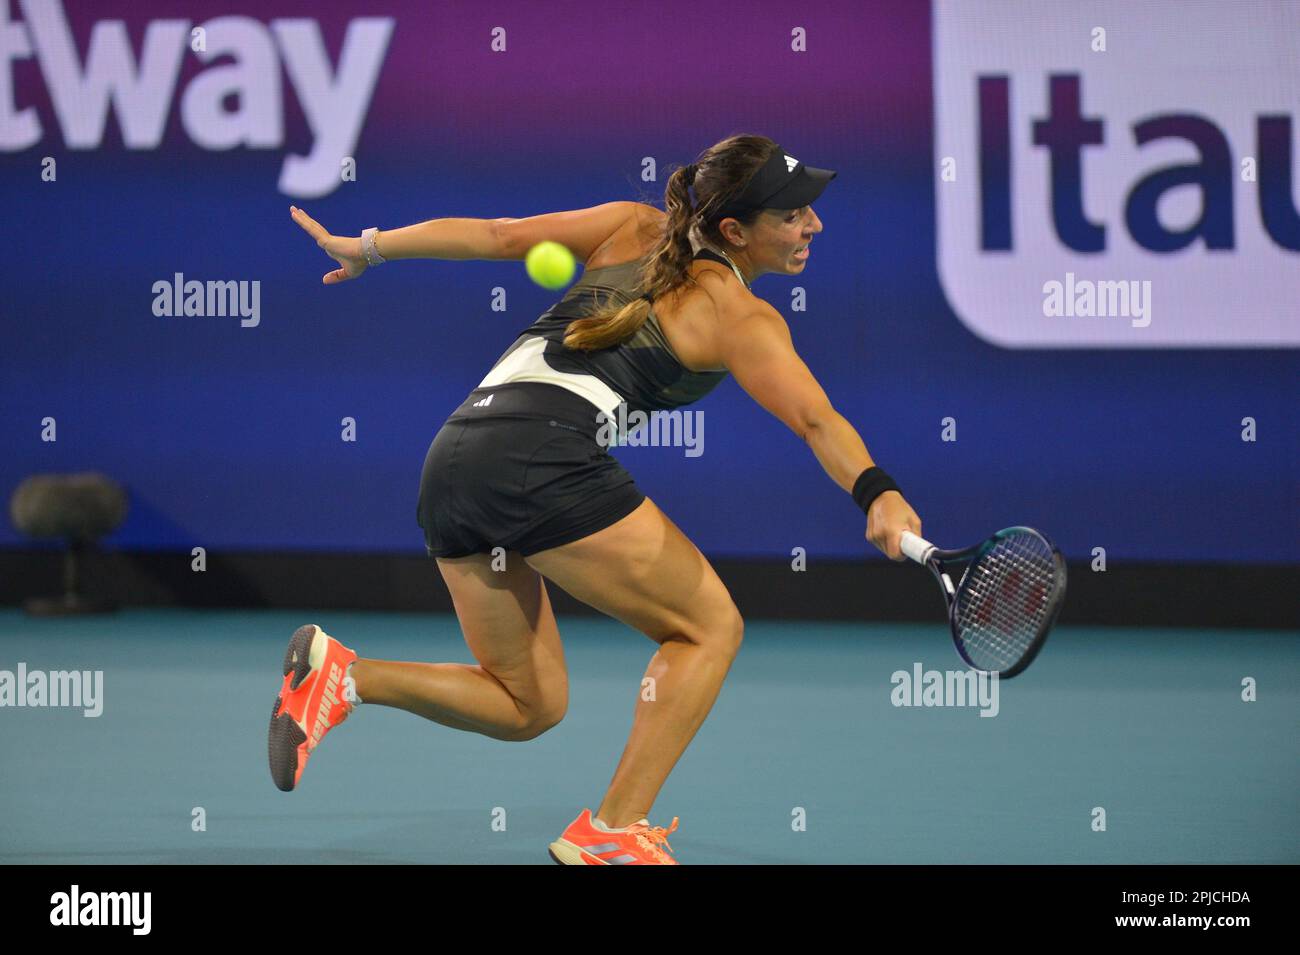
column 128, row 157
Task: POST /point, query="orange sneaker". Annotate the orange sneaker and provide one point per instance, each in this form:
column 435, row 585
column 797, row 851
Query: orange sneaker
column 310, row 704
column 639, row 844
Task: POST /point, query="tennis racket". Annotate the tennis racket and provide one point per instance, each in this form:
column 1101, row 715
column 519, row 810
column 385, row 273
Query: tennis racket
column 1005, row 602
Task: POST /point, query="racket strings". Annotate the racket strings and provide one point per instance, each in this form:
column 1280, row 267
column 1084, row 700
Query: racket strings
column 1005, row 600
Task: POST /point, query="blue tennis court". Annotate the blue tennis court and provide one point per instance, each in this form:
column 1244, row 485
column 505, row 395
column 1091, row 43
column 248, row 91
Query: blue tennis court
column 1147, row 724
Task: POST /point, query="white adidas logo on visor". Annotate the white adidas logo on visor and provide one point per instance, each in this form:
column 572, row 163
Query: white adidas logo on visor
column 484, row 402
column 790, row 162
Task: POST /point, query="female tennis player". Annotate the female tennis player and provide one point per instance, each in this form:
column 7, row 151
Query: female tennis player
column 663, row 312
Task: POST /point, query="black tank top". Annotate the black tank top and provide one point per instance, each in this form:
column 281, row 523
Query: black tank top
column 643, row 371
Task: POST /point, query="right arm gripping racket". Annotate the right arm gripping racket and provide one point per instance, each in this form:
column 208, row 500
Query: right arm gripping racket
column 1005, row 602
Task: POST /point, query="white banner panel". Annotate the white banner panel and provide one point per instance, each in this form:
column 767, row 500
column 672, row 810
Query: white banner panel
column 1119, row 174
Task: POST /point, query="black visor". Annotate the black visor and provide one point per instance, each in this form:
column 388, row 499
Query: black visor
column 782, row 183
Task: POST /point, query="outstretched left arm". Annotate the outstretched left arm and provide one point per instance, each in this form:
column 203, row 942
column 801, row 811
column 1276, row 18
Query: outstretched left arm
column 443, row 239
column 582, row 231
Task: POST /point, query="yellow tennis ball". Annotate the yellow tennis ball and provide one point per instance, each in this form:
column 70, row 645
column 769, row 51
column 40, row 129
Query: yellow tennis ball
column 550, row 264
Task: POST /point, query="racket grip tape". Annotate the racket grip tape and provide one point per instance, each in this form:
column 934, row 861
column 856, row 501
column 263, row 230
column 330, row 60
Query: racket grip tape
column 915, row 547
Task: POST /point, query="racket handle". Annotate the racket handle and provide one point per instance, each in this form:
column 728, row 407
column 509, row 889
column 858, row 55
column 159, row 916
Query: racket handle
column 917, row 548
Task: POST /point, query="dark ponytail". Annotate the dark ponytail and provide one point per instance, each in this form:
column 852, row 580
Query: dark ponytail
column 721, row 173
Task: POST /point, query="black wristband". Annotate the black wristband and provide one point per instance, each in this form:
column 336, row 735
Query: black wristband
column 870, row 484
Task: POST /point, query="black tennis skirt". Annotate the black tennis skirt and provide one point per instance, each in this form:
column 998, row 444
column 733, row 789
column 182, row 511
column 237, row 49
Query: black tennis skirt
column 524, row 472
